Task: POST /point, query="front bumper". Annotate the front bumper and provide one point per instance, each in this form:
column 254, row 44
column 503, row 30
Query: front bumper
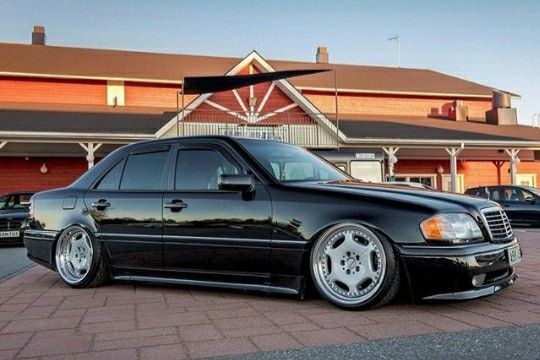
column 458, row 272
column 12, row 240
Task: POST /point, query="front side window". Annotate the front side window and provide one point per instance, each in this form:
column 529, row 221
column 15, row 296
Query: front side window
column 290, row 163
column 518, row 195
column 200, row 169
column 144, row 171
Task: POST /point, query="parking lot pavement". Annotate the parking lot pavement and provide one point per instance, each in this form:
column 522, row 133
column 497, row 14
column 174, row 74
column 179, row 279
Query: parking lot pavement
column 41, row 317
column 12, row 261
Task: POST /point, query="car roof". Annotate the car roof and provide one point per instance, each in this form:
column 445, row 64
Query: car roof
column 19, row 193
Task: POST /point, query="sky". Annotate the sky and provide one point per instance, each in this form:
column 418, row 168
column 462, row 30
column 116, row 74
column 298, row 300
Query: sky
column 492, row 42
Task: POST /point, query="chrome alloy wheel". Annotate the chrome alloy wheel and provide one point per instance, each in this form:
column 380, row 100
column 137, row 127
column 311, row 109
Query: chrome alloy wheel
column 349, row 264
column 74, row 253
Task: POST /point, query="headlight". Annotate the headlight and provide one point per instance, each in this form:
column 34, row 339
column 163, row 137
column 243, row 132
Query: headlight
column 454, row 228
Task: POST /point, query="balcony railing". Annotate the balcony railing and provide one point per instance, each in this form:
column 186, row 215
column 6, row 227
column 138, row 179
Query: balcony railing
column 299, row 129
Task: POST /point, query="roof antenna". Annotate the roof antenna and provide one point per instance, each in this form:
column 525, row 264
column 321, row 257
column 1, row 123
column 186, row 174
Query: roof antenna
column 397, row 39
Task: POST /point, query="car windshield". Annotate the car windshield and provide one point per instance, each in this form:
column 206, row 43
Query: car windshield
column 15, row 201
column 290, row 163
column 535, row 191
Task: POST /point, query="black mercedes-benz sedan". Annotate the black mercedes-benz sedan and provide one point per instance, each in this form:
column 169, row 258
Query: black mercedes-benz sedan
column 263, row 215
column 13, row 217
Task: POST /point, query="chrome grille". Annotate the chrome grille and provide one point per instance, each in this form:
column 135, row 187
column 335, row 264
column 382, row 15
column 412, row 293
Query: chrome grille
column 497, row 224
column 10, row 225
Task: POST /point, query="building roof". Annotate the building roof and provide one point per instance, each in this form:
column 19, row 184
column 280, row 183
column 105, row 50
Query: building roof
column 358, row 126
column 87, row 120
column 71, row 62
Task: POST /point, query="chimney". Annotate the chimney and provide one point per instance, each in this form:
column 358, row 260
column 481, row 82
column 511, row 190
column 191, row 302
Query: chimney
column 322, row 55
column 38, row 35
column 502, row 112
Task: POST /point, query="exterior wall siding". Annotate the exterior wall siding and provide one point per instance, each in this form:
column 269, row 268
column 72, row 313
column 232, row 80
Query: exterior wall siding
column 153, row 95
column 19, row 174
column 395, row 105
column 34, row 90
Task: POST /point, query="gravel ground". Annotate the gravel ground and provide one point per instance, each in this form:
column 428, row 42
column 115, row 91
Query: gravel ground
column 516, row 342
column 12, row 261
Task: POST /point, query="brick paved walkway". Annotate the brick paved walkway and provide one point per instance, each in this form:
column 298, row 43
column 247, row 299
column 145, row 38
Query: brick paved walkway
column 41, row 317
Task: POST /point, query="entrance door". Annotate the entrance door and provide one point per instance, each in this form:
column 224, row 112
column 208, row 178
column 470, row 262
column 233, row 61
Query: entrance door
column 447, row 183
column 126, row 206
column 211, row 233
column 526, row 180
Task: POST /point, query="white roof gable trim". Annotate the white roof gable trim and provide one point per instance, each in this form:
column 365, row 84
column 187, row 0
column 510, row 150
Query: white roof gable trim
column 284, row 85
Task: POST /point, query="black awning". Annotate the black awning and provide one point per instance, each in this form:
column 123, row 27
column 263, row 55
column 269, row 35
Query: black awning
column 211, row 84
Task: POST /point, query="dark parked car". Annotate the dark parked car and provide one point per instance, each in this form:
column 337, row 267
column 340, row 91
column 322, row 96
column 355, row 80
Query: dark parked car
column 262, row 215
column 13, row 216
column 521, row 203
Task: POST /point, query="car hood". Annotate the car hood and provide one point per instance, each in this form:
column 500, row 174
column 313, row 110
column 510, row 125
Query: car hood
column 436, row 200
column 10, row 214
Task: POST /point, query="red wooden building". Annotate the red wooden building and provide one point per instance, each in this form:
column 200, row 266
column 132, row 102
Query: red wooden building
column 61, row 108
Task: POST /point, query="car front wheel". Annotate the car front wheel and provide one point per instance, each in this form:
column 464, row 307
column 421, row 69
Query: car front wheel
column 354, row 268
column 78, row 259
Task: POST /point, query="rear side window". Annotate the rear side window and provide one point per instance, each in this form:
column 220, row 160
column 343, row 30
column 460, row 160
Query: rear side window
column 144, row 171
column 111, row 181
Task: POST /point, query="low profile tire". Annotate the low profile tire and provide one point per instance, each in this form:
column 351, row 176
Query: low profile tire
column 79, row 261
column 354, row 268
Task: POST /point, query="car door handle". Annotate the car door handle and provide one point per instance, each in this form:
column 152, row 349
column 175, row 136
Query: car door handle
column 175, row 205
column 101, row 204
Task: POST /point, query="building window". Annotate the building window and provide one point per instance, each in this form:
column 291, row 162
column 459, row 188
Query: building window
column 426, row 179
column 526, row 179
column 366, row 170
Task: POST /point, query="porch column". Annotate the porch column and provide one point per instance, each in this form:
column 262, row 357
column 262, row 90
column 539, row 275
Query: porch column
column 392, row 160
column 90, row 148
column 514, row 160
column 454, row 152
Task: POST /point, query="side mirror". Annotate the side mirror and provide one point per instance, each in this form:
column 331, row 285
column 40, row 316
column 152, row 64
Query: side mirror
column 531, row 200
column 241, row 183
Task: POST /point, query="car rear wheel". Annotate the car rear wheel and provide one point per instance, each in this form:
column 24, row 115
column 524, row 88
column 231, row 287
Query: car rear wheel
column 78, row 259
column 354, row 268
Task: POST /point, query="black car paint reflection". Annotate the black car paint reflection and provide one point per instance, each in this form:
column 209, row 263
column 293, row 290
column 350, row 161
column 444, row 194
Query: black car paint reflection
column 261, row 241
